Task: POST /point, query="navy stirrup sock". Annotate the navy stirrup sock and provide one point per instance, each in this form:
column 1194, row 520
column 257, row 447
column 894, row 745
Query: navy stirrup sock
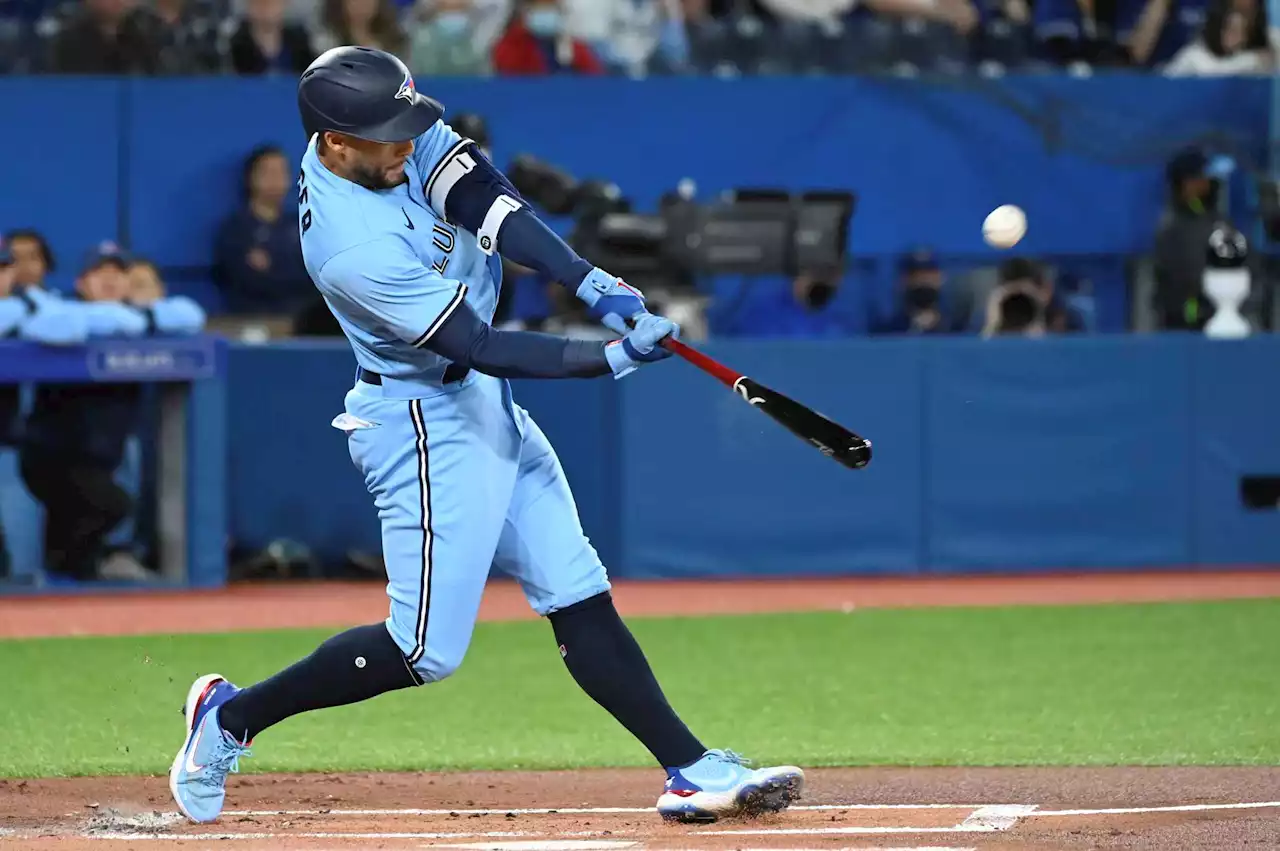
column 349, row 667
column 608, row 664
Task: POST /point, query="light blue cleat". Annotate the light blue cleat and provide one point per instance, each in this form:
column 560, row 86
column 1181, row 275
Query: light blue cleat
column 721, row 785
column 198, row 778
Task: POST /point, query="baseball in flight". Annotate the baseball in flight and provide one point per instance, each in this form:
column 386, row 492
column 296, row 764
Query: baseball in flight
column 1004, row 226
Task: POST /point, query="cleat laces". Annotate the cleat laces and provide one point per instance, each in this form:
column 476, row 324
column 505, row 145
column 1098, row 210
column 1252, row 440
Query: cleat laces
column 226, row 763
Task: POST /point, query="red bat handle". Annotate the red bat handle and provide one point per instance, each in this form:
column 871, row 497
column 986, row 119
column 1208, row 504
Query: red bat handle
column 706, row 364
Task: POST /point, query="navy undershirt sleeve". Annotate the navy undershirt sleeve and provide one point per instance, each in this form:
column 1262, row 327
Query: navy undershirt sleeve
column 469, row 341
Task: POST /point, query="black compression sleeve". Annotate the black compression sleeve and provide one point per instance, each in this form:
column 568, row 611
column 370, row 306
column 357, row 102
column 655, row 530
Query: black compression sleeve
column 469, row 341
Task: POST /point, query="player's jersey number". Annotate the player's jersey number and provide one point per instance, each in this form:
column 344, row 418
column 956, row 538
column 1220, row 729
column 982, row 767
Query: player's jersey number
column 302, row 201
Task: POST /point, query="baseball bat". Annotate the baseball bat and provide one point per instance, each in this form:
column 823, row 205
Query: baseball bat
column 832, row 439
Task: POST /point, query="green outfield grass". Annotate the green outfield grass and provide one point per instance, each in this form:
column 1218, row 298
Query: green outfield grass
column 1131, row 684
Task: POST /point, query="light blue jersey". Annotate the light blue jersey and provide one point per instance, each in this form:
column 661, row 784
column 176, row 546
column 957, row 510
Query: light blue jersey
column 462, row 478
column 389, row 265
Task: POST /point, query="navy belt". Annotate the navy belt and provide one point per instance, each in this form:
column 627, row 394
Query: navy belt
column 452, row 375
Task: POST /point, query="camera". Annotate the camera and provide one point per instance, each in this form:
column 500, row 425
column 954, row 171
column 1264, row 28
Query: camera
column 743, row 231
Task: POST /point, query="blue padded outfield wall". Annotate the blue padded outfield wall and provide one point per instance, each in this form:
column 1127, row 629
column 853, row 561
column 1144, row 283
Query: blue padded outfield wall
column 156, row 163
column 1087, row 453
column 1092, row 453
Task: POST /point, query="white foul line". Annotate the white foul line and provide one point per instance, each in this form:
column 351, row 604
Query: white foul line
column 211, row 837
column 831, row 831
column 542, row 811
column 1185, row 808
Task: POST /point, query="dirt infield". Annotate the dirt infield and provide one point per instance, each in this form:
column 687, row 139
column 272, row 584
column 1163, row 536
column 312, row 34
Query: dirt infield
column 340, row 604
column 844, row 808
column 928, row 809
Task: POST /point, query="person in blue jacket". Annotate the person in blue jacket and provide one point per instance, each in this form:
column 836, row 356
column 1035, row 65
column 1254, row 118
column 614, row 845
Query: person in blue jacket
column 75, row 436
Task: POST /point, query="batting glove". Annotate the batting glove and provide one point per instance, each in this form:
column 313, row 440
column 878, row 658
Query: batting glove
column 612, row 300
column 640, row 346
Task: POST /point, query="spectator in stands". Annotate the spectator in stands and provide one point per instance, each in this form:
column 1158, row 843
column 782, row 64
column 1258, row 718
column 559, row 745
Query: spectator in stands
column 1236, row 41
column 368, row 23
column 960, row 15
column 107, row 37
column 632, row 36
column 1181, row 237
column 145, row 284
column 1072, row 32
column 258, row 257
column 188, row 33
column 33, row 260
column 10, row 394
column 1025, row 302
column 1156, row 30
column 536, row 42
column 489, row 17
column 445, row 43
column 263, row 42
column 920, row 306
column 75, row 435
column 8, row 274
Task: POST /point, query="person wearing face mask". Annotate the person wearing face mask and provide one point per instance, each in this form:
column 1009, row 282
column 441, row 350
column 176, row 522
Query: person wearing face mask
column 536, row 43
column 445, row 44
column 919, row 306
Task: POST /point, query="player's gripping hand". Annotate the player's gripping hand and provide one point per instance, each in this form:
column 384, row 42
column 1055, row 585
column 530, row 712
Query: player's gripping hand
column 641, row 345
column 612, row 300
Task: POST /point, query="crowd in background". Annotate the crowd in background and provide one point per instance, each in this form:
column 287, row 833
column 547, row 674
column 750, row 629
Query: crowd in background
column 637, row 37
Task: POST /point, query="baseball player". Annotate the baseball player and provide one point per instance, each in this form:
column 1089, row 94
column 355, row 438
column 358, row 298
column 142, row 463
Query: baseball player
column 403, row 226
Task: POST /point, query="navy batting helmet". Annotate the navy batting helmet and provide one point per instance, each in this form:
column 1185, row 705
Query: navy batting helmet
column 364, row 93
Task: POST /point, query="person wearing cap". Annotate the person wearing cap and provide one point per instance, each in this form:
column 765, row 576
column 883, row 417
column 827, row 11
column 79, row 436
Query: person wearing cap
column 919, row 306
column 75, row 436
column 1183, row 232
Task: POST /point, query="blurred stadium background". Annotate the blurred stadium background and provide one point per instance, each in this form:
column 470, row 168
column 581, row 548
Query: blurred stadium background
column 800, row 183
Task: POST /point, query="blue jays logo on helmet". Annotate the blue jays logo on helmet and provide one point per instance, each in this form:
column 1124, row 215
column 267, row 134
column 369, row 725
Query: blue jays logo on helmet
column 407, row 89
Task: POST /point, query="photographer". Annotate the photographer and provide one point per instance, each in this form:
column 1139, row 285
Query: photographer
column 1026, row 304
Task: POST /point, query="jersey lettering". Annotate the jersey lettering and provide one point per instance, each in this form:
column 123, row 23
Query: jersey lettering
column 303, row 197
column 444, row 238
